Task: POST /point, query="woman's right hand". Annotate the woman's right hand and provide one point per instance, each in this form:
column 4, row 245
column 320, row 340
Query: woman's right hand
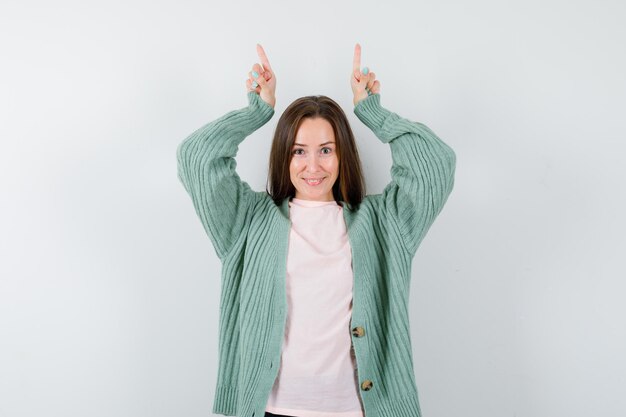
column 264, row 81
column 363, row 83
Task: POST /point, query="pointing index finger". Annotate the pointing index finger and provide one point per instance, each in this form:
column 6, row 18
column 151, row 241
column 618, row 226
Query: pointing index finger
column 356, row 62
column 264, row 60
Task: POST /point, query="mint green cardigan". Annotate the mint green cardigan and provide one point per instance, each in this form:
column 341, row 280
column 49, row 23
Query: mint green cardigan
column 250, row 235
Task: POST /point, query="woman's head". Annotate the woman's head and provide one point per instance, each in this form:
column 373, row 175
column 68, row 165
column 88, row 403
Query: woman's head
column 313, row 140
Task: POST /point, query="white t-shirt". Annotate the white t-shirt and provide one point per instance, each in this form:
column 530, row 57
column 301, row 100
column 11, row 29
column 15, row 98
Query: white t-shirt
column 317, row 375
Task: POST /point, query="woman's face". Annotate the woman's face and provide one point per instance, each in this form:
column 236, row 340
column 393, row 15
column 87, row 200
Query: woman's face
column 314, row 157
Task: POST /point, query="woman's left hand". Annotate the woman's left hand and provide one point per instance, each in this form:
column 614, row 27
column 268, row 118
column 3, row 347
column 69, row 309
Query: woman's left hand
column 362, row 81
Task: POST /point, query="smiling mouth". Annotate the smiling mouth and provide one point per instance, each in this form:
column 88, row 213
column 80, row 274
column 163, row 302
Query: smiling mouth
column 313, row 182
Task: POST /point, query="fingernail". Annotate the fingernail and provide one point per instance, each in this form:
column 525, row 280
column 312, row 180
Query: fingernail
column 254, row 84
column 366, row 70
column 255, row 74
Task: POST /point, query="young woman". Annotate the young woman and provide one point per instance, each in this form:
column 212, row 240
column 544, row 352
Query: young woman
column 315, row 273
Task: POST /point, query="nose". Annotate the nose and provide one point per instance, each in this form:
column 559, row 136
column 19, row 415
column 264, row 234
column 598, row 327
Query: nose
column 312, row 163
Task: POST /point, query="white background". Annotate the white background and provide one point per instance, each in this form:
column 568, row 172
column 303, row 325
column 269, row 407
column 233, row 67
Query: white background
column 109, row 288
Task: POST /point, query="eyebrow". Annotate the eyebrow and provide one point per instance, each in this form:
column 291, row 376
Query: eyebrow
column 322, row 144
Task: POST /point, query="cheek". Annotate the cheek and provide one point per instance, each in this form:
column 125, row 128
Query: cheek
column 295, row 165
column 295, row 169
column 334, row 166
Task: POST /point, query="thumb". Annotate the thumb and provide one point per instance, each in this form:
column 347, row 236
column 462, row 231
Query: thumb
column 261, row 80
column 359, row 77
column 365, row 78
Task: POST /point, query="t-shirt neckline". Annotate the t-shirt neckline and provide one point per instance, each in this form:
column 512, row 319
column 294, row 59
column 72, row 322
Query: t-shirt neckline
column 312, row 203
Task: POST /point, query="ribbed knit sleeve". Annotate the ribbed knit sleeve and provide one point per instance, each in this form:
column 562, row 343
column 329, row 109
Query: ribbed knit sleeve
column 422, row 173
column 207, row 170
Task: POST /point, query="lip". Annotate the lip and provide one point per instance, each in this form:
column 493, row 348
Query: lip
column 321, row 180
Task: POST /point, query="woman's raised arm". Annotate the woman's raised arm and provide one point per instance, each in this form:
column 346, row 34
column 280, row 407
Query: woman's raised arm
column 207, row 168
column 422, row 173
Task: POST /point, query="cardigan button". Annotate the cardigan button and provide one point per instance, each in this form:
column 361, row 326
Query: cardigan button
column 367, row 385
column 358, row 331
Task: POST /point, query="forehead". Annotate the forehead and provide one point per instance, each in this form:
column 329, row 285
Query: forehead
column 315, row 131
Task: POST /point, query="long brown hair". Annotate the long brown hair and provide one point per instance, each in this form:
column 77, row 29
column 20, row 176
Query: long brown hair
column 350, row 185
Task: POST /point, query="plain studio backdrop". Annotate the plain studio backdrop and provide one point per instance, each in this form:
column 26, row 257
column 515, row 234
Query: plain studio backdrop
column 109, row 286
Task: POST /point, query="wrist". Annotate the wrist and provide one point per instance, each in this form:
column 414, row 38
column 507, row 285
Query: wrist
column 360, row 97
column 270, row 100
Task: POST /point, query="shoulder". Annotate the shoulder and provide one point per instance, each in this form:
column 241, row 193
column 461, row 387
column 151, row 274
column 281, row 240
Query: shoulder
column 368, row 211
column 262, row 200
column 372, row 203
column 263, row 204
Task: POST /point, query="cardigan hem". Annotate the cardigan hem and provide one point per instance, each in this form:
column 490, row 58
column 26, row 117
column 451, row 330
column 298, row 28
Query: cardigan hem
column 225, row 403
